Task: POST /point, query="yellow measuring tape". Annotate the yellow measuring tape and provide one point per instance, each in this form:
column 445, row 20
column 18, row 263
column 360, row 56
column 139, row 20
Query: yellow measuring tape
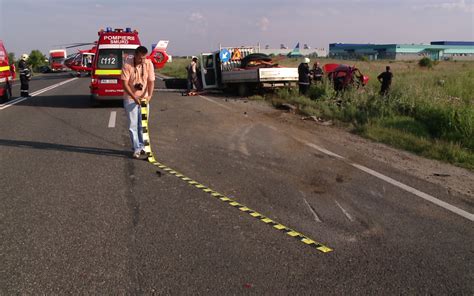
column 151, row 158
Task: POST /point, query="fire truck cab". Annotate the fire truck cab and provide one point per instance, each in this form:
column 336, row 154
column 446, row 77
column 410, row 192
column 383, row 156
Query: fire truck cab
column 56, row 59
column 7, row 74
column 114, row 47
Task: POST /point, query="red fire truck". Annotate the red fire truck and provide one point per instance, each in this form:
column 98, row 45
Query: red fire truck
column 56, row 59
column 7, row 74
column 113, row 48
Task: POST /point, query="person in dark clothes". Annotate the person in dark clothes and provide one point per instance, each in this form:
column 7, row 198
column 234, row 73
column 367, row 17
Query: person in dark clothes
column 25, row 76
column 386, row 79
column 317, row 72
column 304, row 77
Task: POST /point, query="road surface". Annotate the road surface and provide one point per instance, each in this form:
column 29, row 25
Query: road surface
column 80, row 216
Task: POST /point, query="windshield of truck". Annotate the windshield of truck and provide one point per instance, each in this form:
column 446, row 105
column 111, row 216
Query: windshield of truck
column 57, row 60
column 113, row 58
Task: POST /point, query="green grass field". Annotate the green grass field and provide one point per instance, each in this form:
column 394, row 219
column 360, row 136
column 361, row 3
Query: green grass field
column 430, row 111
column 176, row 69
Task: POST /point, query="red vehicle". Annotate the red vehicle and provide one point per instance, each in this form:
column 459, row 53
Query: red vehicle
column 56, row 59
column 113, row 48
column 344, row 76
column 7, row 74
column 81, row 62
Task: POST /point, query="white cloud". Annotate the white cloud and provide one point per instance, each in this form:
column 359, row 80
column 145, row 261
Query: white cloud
column 263, row 23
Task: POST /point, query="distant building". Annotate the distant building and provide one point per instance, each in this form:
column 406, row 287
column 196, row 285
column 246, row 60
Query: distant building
column 313, row 52
column 437, row 50
column 297, row 52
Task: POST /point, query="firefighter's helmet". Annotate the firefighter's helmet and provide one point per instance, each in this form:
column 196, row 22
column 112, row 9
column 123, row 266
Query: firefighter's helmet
column 24, row 56
column 306, row 60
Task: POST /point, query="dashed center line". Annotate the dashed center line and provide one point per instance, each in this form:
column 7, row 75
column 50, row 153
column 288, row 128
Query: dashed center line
column 113, row 116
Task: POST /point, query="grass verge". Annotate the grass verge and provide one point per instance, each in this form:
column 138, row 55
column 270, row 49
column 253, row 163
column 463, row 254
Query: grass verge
column 427, row 112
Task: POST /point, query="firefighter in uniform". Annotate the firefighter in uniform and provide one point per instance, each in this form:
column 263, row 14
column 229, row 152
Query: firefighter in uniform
column 25, row 75
column 304, row 79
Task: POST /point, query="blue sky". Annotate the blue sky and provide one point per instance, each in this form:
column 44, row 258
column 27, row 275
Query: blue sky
column 194, row 26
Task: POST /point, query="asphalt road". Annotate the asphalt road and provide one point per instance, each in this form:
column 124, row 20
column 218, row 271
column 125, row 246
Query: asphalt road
column 79, row 216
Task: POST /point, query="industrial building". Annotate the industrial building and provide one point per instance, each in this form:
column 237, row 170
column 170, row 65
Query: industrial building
column 436, row 50
column 312, row 52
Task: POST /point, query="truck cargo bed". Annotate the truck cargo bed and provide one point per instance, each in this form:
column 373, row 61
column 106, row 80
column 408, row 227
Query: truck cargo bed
column 258, row 75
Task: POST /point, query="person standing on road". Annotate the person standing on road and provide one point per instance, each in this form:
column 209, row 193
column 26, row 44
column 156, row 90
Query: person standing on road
column 25, row 76
column 192, row 75
column 386, row 79
column 138, row 80
column 304, row 77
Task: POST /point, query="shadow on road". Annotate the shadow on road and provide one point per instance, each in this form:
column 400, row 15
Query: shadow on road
column 50, row 76
column 68, row 148
column 68, row 101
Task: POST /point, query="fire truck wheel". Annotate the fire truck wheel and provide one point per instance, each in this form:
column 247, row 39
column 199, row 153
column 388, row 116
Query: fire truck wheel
column 93, row 101
column 7, row 94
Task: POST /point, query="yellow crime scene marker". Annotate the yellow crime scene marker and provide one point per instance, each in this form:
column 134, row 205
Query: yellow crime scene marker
column 280, row 227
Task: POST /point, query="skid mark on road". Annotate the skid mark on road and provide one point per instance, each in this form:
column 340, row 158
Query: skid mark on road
column 242, row 141
column 312, row 210
column 346, row 213
column 217, row 103
column 376, row 174
column 394, row 182
column 230, row 201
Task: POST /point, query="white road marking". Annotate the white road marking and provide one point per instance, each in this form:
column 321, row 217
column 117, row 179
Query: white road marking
column 316, row 217
column 21, row 99
column 416, row 192
column 321, row 149
column 394, row 182
column 113, row 116
column 212, row 101
column 345, row 212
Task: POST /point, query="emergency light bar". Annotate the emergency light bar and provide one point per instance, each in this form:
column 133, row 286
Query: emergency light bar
column 117, row 30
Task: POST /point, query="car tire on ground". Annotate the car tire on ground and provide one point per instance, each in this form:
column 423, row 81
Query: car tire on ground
column 242, row 90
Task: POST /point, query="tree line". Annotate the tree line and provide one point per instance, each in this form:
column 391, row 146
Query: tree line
column 36, row 59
